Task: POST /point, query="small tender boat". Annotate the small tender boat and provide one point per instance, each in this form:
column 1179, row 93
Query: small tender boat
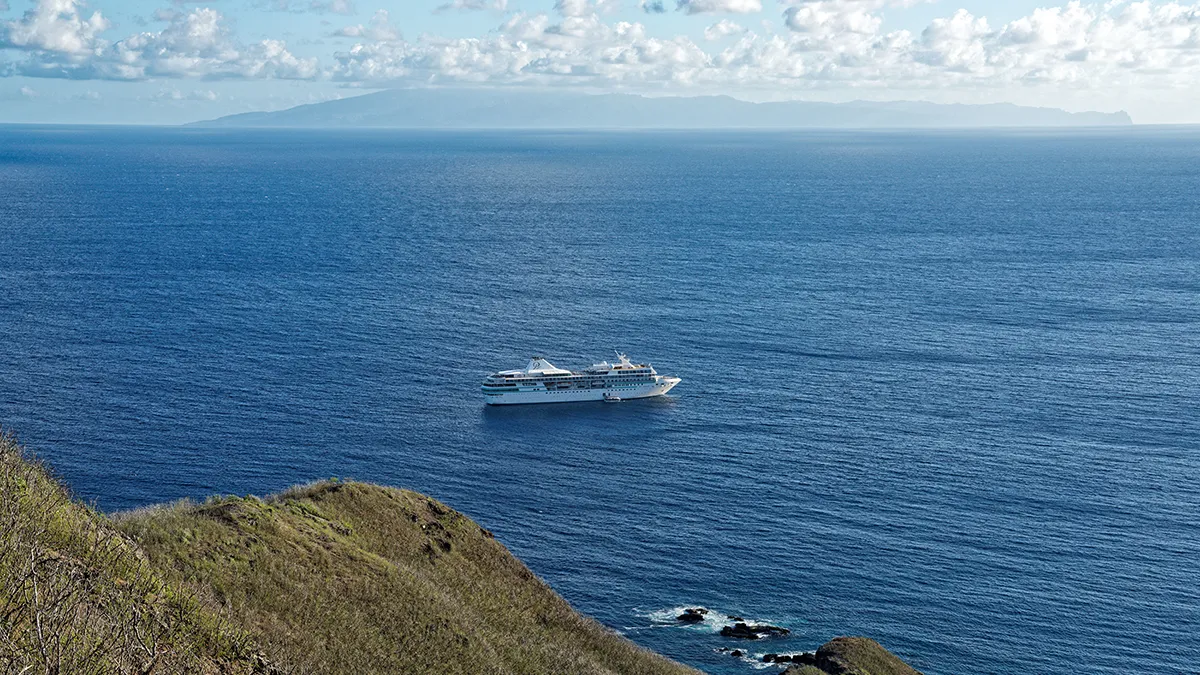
column 612, row 398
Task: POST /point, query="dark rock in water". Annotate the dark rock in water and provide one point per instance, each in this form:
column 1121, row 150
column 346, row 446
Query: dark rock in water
column 739, row 630
column 783, row 658
column 805, row 659
column 734, row 618
column 769, row 658
column 744, row 631
column 692, row 615
column 737, row 652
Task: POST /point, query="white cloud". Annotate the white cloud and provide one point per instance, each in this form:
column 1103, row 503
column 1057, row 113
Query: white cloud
column 29, row 92
column 196, row 44
column 828, row 18
column 830, row 43
column 55, row 26
column 378, row 29
column 4, row 6
column 723, row 28
column 823, row 45
column 719, row 6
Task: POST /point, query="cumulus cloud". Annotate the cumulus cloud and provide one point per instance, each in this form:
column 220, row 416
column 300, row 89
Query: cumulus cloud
column 652, row 6
column 55, row 26
column 825, row 44
column 29, row 92
column 61, row 43
column 828, row 43
column 719, row 6
column 723, row 28
column 826, row 18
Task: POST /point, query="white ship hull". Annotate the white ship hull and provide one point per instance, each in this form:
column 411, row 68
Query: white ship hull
column 623, row 392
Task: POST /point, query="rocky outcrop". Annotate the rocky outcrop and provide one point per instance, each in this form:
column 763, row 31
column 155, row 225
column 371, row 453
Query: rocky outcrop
column 852, row 656
column 757, row 631
column 804, row 658
column 695, row 615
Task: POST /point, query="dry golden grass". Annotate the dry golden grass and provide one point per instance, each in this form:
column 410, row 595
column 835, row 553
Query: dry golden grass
column 322, row 579
column 355, row 578
column 327, row 578
column 77, row 597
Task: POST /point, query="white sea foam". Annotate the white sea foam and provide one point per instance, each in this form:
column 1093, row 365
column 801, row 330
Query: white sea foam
column 754, row 660
column 713, row 622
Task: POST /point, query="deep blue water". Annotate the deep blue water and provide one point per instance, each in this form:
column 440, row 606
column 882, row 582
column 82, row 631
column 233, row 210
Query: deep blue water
column 939, row 388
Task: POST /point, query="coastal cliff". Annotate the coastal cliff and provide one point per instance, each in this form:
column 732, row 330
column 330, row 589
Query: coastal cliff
column 333, row 577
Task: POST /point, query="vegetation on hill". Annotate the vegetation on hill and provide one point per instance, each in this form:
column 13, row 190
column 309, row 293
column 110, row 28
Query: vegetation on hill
column 853, row 656
column 334, row 577
column 356, row 578
column 78, row 597
column 328, row 578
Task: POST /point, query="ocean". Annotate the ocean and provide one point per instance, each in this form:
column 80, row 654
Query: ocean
column 939, row 388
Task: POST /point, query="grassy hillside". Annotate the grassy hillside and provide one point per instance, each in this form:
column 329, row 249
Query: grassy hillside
column 330, row 578
column 356, row 578
column 853, row 656
column 78, row 597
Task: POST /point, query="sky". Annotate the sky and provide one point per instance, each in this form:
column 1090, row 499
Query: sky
column 174, row 61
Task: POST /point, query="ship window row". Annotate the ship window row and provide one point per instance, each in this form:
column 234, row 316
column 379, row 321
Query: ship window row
column 576, row 377
column 606, row 378
column 581, row 384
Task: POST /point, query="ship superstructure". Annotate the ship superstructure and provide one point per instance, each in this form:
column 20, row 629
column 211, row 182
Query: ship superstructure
column 543, row 382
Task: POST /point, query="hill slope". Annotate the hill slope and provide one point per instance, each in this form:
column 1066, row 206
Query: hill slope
column 516, row 109
column 357, row 578
column 328, row 578
column 76, row 596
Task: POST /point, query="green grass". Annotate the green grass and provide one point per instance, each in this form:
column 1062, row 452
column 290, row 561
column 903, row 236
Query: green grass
column 334, row 577
column 327, row 578
column 344, row 577
column 78, row 597
column 854, row 656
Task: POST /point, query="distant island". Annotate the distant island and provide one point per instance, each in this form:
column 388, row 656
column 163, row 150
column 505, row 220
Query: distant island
column 433, row 108
column 333, row 577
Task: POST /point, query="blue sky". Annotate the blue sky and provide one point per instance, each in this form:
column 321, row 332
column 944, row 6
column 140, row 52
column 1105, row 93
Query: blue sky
column 171, row 61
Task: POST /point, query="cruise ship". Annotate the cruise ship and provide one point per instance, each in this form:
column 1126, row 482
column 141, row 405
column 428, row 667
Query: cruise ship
column 542, row 382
